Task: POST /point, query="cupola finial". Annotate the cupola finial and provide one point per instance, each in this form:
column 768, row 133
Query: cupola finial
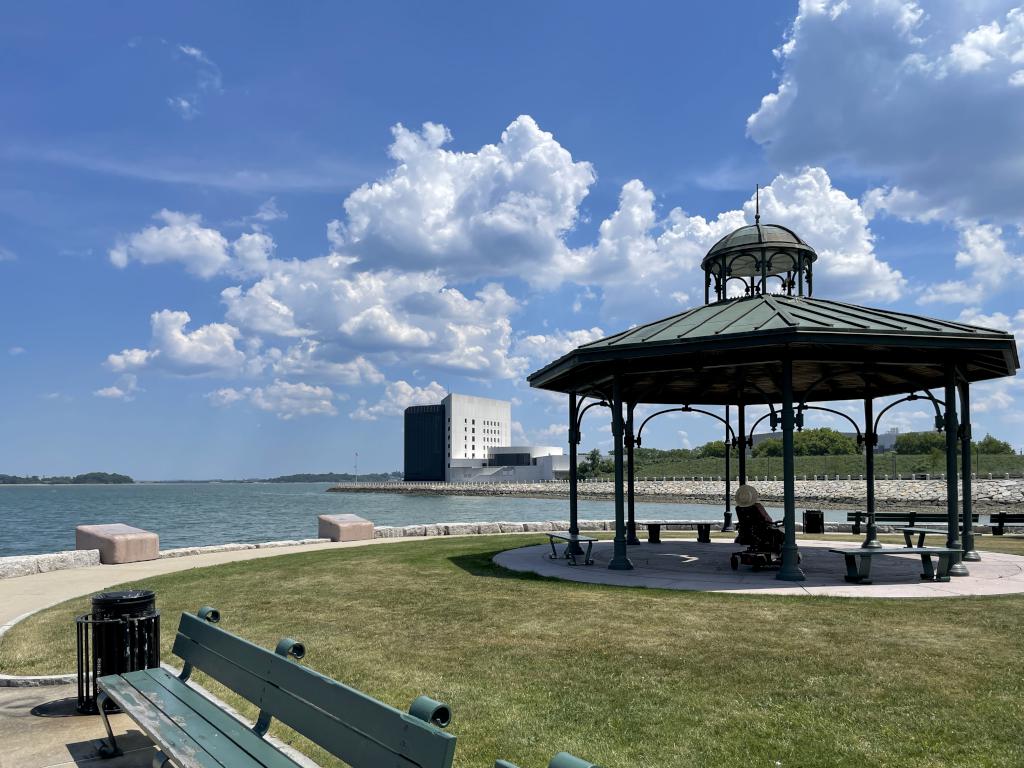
column 757, row 203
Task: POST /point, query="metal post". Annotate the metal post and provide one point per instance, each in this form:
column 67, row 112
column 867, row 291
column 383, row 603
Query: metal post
column 957, row 568
column 741, row 427
column 630, row 498
column 871, row 540
column 970, row 553
column 620, row 560
column 727, row 516
column 574, row 441
column 790, row 570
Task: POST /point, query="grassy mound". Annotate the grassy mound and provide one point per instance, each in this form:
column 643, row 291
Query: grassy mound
column 624, row 677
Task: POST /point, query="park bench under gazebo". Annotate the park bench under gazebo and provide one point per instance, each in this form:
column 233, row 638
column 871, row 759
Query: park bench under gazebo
column 761, row 339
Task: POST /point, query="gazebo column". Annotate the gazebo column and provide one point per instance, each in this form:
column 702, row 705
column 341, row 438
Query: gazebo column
column 630, row 478
column 620, row 560
column 870, row 439
column 790, row 570
column 970, row 554
column 727, row 517
column 952, row 511
column 574, row 441
column 741, row 427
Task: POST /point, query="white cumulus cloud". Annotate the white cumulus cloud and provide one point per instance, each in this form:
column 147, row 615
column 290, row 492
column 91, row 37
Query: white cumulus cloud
column 398, row 396
column 284, row 399
column 923, row 95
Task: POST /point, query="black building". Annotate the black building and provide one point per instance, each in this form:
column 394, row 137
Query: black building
column 424, row 442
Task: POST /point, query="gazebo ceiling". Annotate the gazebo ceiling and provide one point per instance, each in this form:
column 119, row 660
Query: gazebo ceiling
column 732, row 350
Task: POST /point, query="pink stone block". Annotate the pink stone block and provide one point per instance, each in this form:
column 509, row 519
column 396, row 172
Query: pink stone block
column 118, row 543
column 344, row 528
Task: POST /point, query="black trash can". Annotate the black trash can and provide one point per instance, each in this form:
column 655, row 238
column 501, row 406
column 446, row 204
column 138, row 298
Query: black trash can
column 814, row 521
column 122, row 634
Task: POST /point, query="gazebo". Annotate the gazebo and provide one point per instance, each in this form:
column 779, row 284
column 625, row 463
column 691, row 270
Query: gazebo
column 761, row 339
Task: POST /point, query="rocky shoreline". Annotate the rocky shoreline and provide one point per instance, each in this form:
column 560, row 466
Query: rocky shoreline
column 986, row 494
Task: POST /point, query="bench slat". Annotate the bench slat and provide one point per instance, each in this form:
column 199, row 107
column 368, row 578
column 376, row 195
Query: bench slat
column 265, row 753
column 185, row 750
column 241, row 653
column 351, row 725
column 245, row 683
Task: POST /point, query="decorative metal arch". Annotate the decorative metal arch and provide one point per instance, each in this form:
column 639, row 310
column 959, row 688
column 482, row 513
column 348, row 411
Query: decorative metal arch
column 579, row 419
column 686, row 409
column 939, row 420
column 800, row 421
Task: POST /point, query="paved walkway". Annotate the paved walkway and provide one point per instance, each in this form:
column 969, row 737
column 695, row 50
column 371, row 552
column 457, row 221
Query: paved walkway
column 25, row 594
column 685, row 564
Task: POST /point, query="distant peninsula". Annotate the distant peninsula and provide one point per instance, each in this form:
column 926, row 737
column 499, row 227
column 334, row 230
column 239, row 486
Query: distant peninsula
column 89, row 478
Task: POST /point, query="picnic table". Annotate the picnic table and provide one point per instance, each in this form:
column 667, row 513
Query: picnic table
column 860, row 573
column 908, row 534
column 703, row 529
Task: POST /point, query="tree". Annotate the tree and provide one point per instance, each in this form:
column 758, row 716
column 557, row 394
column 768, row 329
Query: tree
column 713, row 450
column 823, row 442
column 769, row 447
column 916, row 443
column 991, row 445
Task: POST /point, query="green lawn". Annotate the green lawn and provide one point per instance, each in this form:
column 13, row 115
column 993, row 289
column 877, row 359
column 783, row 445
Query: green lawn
column 624, row 677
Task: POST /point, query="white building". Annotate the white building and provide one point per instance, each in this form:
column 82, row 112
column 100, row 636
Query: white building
column 476, row 444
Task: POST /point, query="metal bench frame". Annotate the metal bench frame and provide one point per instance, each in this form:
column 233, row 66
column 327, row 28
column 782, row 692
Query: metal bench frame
column 570, row 550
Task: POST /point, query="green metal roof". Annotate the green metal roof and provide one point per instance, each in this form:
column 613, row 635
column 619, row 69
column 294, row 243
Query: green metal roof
column 767, row 313
column 715, row 352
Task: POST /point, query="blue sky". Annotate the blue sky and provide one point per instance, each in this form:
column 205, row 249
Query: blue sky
column 238, row 240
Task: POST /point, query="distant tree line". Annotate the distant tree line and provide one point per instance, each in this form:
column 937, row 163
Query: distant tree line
column 89, row 478
column 808, row 442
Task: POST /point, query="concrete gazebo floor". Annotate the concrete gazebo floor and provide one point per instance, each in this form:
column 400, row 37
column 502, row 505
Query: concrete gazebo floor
column 687, row 565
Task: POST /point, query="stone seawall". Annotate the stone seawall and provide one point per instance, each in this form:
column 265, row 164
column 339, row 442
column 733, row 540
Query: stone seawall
column 823, row 493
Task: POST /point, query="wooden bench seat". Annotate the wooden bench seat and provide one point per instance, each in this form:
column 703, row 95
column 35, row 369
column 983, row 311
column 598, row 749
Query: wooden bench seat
column 1001, row 519
column 654, row 528
column 572, row 546
column 194, row 732
column 860, row 573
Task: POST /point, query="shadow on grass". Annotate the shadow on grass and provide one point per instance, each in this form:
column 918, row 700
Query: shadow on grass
column 482, row 564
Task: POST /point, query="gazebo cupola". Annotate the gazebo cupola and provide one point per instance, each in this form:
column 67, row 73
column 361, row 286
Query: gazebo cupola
column 753, row 255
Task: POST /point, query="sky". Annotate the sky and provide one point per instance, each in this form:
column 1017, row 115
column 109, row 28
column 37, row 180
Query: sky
column 238, row 239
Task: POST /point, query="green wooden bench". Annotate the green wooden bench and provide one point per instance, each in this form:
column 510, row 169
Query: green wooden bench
column 861, row 573
column 561, row 760
column 194, row 732
column 999, row 521
column 910, row 517
column 570, row 551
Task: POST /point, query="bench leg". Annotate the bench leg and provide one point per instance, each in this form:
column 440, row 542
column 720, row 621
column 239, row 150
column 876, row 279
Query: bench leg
column 588, row 560
column 570, row 555
column 907, row 537
column 704, row 534
column 851, row 569
column 654, row 534
column 928, row 572
column 554, row 552
column 108, row 748
column 944, row 562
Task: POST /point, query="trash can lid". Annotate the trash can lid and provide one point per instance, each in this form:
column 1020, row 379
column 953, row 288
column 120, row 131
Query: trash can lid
column 123, row 597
